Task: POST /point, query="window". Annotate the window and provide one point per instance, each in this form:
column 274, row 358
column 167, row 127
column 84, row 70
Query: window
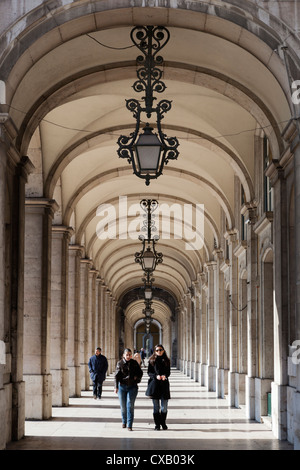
column 243, row 221
column 268, row 192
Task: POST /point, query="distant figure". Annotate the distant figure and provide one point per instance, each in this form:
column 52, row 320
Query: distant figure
column 143, row 355
column 98, row 366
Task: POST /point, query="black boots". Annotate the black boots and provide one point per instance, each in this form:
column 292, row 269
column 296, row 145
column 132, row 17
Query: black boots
column 163, row 417
column 156, row 417
column 160, row 420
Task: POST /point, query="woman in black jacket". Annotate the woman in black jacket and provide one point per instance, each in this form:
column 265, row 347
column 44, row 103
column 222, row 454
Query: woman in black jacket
column 128, row 374
column 158, row 385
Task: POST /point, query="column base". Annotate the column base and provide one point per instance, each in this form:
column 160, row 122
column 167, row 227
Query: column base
column 231, row 388
column 251, row 397
column 18, row 410
column 211, row 378
column 221, row 382
column 74, row 381
column 203, row 374
column 2, row 419
column 296, row 424
column 262, row 388
column 38, row 396
column 240, row 390
column 60, row 387
column 279, row 410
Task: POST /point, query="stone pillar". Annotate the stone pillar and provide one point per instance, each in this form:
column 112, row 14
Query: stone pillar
column 233, row 334
column 37, row 294
column 203, row 331
column 97, row 310
column 252, row 320
column 279, row 387
column 114, row 333
column 188, row 333
column 75, row 254
column 297, row 287
column 219, row 299
column 212, row 313
column 108, row 329
column 196, row 331
column 102, row 325
column 3, row 177
column 84, row 323
column 292, row 137
column 23, row 169
column 92, row 327
column 59, row 315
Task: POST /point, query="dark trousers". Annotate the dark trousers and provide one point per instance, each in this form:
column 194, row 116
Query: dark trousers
column 97, row 388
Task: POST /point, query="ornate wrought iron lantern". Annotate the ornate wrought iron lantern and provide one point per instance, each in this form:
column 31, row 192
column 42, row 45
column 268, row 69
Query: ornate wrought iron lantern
column 148, row 152
column 148, row 257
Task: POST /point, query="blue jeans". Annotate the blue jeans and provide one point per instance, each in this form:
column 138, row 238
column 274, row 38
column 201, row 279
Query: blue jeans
column 127, row 396
column 156, row 405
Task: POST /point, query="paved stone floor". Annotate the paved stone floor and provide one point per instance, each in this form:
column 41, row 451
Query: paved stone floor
column 196, row 420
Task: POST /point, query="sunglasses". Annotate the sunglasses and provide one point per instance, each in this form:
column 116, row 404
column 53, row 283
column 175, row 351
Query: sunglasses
column 158, row 349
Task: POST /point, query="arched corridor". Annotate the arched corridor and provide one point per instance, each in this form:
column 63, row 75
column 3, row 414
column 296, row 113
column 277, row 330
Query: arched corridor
column 208, row 423
column 225, row 221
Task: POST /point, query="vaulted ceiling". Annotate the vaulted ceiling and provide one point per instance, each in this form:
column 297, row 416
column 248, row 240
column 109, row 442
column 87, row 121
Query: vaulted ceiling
column 67, row 94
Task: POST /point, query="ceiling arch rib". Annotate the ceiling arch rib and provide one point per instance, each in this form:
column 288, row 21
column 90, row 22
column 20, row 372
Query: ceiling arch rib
column 134, row 282
column 162, row 272
column 106, row 135
column 173, row 173
column 171, row 202
column 112, row 250
column 188, row 246
column 204, row 39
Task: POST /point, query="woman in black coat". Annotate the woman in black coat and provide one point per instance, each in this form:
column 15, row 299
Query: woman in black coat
column 158, row 389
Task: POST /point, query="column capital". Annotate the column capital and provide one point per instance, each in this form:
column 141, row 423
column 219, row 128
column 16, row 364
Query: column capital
column 8, row 130
column 38, row 203
column 210, row 266
column 231, row 235
column 218, row 254
column 63, row 230
column 25, row 167
column 275, row 172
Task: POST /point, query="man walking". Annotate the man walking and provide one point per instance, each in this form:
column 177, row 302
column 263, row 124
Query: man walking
column 98, row 366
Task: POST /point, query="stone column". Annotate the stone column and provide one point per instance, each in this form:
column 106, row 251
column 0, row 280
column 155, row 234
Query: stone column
column 84, row 323
column 98, row 310
column 114, row 333
column 219, row 299
column 279, row 386
column 23, row 169
column 233, row 334
column 108, row 329
column 188, row 333
column 252, row 303
column 3, row 177
column 296, row 150
column 92, row 328
column 196, row 331
column 59, row 315
column 75, row 254
column 37, row 309
column 203, row 331
column 102, row 324
column 292, row 137
column 211, row 267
